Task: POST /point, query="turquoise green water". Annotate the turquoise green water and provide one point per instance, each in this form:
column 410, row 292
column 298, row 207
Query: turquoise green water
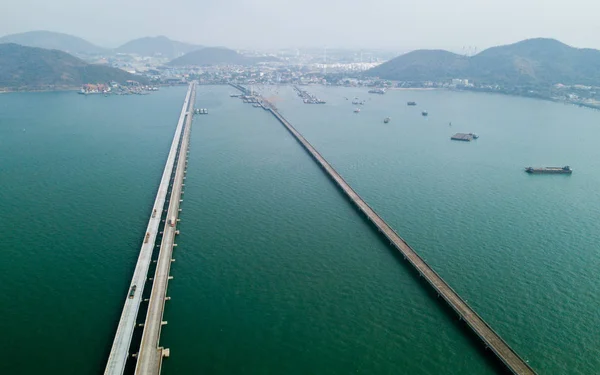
column 79, row 176
column 275, row 272
column 523, row 250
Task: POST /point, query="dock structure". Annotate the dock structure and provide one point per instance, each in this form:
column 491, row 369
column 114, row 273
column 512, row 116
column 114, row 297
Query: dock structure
column 244, row 90
column 150, row 355
column 121, row 344
column 487, row 335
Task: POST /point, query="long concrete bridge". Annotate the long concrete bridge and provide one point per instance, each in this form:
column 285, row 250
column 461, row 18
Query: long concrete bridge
column 488, row 336
column 150, row 355
column 120, row 350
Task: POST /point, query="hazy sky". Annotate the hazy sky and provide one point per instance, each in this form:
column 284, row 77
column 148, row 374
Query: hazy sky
column 389, row 24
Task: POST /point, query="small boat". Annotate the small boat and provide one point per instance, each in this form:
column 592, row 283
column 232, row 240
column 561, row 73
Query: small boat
column 356, row 110
column 411, row 103
column 424, row 113
column 386, row 120
column 475, row 136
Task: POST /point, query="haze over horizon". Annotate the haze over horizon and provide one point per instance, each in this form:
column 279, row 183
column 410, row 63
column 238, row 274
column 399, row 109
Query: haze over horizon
column 262, row 24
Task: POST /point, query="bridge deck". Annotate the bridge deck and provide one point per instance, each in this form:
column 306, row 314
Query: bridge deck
column 491, row 339
column 150, row 355
column 122, row 342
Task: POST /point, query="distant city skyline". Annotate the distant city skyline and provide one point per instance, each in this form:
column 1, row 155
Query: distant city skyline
column 263, row 24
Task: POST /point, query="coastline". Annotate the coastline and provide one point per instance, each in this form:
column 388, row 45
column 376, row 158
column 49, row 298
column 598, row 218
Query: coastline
column 5, row 90
column 583, row 105
column 415, row 88
column 548, row 99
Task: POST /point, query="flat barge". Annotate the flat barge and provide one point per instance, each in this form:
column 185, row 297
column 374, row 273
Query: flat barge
column 465, row 137
column 549, row 170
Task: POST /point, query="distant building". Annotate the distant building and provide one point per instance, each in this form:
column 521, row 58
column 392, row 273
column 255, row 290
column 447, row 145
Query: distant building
column 460, row 82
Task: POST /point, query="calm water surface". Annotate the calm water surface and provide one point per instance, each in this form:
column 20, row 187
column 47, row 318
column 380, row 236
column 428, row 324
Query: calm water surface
column 79, row 176
column 276, row 272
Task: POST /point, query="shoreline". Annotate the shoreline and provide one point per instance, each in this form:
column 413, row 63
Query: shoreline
column 415, row 88
column 546, row 99
column 8, row 90
column 582, row 105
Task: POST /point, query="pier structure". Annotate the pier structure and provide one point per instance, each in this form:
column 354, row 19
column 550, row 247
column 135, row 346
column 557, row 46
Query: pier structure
column 120, row 349
column 150, row 355
column 488, row 336
column 244, row 90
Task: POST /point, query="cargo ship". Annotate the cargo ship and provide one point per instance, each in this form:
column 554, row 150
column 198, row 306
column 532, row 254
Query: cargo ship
column 549, row 170
column 377, row 91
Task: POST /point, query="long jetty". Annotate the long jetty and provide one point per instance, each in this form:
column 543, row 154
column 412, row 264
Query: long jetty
column 490, row 338
column 244, row 90
column 150, row 355
column 122, row 342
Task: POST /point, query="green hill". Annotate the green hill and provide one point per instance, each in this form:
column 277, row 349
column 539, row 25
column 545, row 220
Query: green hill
column 52, row 40
column 422, row 65
column 28, row 68
column 160, row 45
column 534, row 62
column 216, row 56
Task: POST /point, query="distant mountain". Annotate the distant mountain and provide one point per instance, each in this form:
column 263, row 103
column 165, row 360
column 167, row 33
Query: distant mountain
column 151, row 46
column 29, row 68
column 52, row 40
column 537, row 62
column 217, row 56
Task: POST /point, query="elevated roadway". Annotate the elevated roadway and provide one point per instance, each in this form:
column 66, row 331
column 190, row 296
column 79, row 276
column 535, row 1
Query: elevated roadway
column 150, row 355
column 119, row 352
